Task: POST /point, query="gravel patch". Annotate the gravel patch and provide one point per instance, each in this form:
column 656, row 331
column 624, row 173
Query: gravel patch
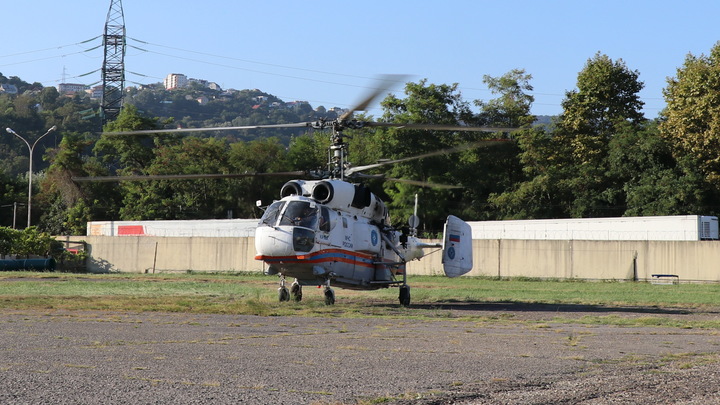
column 497, row 354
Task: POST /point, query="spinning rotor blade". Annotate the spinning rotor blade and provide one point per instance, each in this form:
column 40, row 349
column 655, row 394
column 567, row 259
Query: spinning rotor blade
column 472, row 145
column 423, row 183
column 207, row 129
column 315, row 125
column 184, row 176
column 438, row 127
column 386, row 82
column 406, row 181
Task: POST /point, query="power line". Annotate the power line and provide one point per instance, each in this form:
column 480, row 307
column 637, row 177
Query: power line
column 249, row 70
column 50, row 49
column 248, row 61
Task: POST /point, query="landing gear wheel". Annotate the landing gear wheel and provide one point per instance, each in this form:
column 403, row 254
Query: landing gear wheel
column 296, row 291
column 329, row 296
column 283, row 294
column 405, row 295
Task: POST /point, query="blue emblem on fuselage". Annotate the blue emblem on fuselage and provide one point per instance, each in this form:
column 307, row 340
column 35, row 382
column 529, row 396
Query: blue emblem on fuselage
column 374, row 237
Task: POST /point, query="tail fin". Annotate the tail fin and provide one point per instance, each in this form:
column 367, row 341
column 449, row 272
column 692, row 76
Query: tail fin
column 457, row 247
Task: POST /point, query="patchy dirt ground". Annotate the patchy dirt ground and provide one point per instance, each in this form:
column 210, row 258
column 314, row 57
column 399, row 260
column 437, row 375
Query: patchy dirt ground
column 498, row 354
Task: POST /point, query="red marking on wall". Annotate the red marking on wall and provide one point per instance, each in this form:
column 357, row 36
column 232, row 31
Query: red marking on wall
column 131, row 230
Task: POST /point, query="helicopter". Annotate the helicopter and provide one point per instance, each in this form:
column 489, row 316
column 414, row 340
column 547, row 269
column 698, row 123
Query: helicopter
column 330, row 230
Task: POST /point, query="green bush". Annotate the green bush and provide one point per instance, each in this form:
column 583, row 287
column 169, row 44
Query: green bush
column 27, row 242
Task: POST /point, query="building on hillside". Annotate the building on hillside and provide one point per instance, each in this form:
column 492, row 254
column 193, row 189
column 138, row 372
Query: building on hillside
column 71, row 88
column 337, row 110
column 8, row 88
column 95, row 92
column 175, row 81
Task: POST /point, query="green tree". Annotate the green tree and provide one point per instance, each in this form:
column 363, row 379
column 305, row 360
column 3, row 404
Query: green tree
column 512, row 108
column 568, row 168
column 12, row 191
column 424, row 104
column 60, row 197
column 691, row 120
column 653, row 181
column 127, row 154
column 180, row 199
column 607, row 97
column 263, row 156
column 308, row 151
column 491, row 170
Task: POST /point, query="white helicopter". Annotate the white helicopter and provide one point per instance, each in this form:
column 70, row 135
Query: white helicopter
column 332, row 231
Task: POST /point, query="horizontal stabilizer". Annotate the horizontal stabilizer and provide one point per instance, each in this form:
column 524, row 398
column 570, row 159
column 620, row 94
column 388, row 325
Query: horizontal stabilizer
column 457, row 247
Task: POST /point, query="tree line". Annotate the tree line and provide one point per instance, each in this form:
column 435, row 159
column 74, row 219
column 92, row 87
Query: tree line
column 599, row 158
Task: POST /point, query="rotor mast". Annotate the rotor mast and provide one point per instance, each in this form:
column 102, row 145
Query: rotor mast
column 113, row 70
column 338, row 153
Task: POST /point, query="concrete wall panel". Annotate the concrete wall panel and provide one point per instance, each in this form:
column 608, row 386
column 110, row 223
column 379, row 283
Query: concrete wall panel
column 593, row 260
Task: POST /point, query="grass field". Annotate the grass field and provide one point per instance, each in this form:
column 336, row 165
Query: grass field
column 256, row 294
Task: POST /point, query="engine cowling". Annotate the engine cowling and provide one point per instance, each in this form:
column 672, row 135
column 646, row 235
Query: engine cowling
column 349, row 197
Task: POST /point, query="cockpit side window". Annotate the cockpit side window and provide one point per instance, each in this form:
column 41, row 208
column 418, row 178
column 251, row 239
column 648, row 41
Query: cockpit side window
column 271, row 215
column 300, row 213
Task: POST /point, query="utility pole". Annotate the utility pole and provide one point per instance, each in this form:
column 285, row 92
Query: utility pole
column 14, row 207
column 113, row 70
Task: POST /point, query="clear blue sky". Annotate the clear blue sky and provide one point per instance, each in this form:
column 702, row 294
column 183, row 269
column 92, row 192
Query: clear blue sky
column 328, row 52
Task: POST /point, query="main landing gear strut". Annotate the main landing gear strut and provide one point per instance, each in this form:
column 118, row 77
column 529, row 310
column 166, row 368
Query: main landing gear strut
column 295, row 292
column 404, row 295
column 404, row 291
column 329, row 294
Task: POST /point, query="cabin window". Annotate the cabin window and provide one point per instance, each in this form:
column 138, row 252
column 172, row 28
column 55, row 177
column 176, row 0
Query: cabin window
column 300, row 213
column 270, row 217
column 324, row 224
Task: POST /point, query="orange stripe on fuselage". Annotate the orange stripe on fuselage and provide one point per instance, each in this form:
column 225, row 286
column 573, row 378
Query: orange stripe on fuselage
column 326, row 255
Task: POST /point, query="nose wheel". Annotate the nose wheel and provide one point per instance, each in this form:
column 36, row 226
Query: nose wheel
column 283, row 293
column 295, row 292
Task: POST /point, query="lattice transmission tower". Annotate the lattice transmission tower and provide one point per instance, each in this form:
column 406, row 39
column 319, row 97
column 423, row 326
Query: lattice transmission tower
column 113, row 70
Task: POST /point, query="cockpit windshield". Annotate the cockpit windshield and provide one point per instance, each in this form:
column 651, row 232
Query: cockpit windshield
column 300, row 213
column 271, row 215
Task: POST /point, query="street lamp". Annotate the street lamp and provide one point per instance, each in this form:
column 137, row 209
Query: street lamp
column 30, row 170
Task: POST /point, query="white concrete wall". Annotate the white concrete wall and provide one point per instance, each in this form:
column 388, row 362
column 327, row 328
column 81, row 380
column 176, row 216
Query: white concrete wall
column 592, row 260
column 138, row 254
column 588, row 260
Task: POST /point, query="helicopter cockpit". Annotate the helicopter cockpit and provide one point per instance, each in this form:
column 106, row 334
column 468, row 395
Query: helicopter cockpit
column 304, row 214
column 306, row 218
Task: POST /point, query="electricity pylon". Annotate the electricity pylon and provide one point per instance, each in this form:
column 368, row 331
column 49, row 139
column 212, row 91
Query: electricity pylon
column 113, row 70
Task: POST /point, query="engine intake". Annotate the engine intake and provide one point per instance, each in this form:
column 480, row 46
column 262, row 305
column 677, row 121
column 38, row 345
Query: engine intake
column 291, row 188
column 323, row 192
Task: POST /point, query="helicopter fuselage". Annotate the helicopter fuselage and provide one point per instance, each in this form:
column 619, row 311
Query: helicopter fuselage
column 331, row 230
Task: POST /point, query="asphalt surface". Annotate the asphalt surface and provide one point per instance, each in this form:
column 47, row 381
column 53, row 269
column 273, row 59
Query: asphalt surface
column 502, row 354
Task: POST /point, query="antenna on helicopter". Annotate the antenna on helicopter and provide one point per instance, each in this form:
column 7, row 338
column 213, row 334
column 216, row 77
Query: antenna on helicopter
column 414, row 220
